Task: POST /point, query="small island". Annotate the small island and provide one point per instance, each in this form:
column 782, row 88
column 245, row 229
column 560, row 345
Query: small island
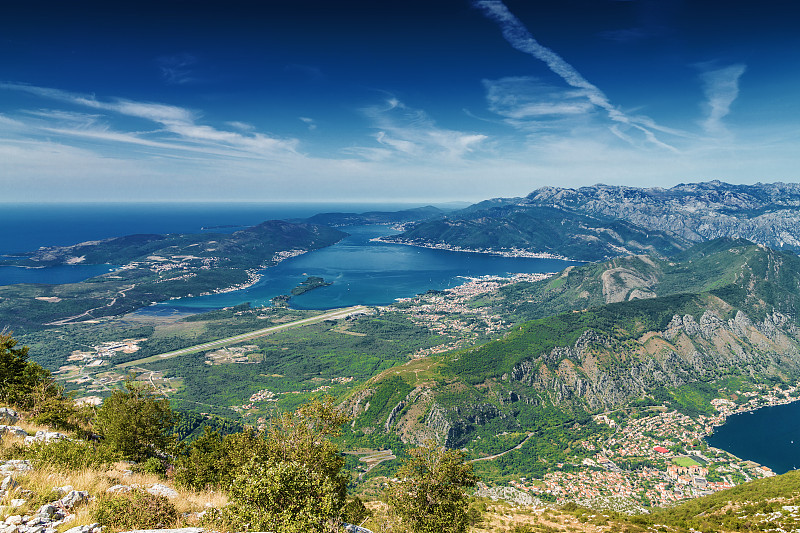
column 311, row 283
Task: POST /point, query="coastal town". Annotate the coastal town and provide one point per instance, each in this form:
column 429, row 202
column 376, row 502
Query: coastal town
column 501, row 252
column 656, row 459
column 452, row 312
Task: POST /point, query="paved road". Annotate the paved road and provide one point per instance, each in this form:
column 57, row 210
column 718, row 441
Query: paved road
column 332, row 315
column 495, row 456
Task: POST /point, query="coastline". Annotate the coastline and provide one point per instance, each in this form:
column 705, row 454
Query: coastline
column 727, row 408
column 254, row 275
column 514, row 252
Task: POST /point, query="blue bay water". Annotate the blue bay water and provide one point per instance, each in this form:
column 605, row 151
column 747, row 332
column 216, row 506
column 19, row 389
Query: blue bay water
column 770, row 436
column 366, row 272
column 362, row 271
column 26, row 227
column 10, row 275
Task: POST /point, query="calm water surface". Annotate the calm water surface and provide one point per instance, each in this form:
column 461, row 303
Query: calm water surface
column 26, row 227
column 770, row 436
column 362, row 271
column 367, row 272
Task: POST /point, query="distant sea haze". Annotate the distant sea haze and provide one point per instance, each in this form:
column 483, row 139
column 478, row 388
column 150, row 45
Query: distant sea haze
column 361, row 271
column 26, row 227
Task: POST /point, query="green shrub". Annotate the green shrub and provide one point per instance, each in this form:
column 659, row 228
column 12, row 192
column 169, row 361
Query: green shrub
column 213, row 461
column 354, row 511
column 135, row 510
column 153, row 465
column 71, row 454
column 136, row 422
column 283, row 496
column 293, row 481
column 431, row 496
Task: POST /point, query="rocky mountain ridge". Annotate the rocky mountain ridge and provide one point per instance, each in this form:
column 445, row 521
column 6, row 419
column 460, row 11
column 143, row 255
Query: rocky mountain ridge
column 764, row 213
column 602, row 221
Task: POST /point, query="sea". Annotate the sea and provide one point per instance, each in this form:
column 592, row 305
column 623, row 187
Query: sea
column 362, row 271
column 769, row 436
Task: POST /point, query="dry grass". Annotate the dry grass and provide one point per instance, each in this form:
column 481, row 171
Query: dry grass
column 42, row 482
column 501, row 517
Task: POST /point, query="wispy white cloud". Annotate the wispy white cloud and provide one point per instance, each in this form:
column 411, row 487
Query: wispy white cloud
column 529, row 104
column 177, row 69
column 721, row 88
column 520, row 38
column 411, row 132
column 241, row 126
column 309, row 122
column 178, row 127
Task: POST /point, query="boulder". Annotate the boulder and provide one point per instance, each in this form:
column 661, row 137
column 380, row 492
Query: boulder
column 47, row 510
column 14, row 431
column 119, row 488
column 15, row 465
column 8, row 484
column 350, row 528
column 7, row 413
column 46, row 436
column 63, row 490
column 162, row 490
column 73, row 498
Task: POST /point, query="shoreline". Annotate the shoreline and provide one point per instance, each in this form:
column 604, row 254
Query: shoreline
column 514, row 252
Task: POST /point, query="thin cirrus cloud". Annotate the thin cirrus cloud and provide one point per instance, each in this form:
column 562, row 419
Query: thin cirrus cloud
column 527, row 103
column 178, row 128
column 309, row 122
column 520, row 38
column 411, row 132
column 178, row 69
column 721, row 88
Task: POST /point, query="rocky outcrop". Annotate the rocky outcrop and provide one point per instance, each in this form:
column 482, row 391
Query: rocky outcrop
column 602, row 373
column 393, row 415
column 8, row 415
column 47, row 517
column 764, row 213
column 509, row 494
column 14, row 431
column 45, row 436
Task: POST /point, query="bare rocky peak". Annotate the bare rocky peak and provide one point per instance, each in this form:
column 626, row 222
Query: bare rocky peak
column 765, row 213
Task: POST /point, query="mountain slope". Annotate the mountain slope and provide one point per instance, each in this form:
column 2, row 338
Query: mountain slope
column 602, row 221
column 541, row 230
column 728, row 310
column 765, row 213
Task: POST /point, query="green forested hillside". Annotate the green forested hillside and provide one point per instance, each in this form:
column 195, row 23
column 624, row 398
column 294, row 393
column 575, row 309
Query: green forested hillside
column 719, row 317
column 542, row 230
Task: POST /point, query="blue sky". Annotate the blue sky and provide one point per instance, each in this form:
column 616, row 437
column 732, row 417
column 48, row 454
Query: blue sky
column 381, row 100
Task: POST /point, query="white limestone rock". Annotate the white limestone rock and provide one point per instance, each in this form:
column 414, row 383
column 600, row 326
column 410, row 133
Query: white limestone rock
column 7, row 413
column 162, row 490
column 73, row 498
column 46, row 436
column 14, row 431
column 119, row 488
